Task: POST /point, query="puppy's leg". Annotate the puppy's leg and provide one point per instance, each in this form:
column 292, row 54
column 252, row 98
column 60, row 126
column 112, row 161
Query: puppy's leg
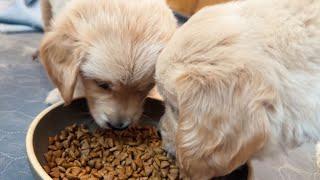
column 318, row 154
column 53, row 96
column 79, row 90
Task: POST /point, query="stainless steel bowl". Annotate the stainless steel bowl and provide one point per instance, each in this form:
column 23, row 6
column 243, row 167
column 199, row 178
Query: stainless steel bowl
column 56, row 117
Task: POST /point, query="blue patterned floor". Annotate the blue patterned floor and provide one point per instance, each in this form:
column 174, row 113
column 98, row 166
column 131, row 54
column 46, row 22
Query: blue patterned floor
column 23, row 87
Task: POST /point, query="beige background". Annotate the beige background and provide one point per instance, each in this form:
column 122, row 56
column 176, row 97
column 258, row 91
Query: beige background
column 189, row 7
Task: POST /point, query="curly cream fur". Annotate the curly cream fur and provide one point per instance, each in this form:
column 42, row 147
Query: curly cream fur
column 240, row 81
column 112, row 41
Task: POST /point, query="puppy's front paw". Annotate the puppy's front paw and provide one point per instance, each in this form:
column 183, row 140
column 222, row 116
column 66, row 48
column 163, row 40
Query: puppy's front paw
column 318, row 154
column 53, row 96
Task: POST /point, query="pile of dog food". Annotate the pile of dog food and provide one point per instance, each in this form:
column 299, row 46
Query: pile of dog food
column 135, row 153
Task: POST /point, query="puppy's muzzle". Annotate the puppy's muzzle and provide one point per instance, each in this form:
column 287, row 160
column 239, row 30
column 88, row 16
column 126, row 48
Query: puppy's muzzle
column 118, row 125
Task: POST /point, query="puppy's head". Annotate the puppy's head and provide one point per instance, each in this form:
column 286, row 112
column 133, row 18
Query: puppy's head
column 111, row 47
column 218, row 100
column 215, row 124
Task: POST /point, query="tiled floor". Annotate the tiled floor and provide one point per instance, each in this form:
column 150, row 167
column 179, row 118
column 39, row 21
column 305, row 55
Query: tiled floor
column 23, row 87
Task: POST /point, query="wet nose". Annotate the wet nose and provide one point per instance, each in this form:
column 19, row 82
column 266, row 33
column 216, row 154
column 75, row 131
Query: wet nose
column 118, row 125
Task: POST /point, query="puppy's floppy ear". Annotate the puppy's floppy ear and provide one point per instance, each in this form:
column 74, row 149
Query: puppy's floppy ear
column 214, row 134
column 62, row 62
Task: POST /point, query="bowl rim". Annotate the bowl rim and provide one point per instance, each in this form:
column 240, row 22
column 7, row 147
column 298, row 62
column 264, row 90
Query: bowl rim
column 33, row 160
column 31, row 155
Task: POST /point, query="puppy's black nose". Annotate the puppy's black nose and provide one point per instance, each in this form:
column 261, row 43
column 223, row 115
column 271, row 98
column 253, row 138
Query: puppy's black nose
column 118, row 126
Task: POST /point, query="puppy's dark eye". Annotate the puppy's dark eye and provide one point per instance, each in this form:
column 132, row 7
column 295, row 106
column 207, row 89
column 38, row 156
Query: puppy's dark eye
column 104, row 85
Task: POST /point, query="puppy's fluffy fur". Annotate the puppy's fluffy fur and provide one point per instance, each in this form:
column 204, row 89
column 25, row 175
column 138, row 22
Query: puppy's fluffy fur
column 110, row 49
column 241, row 80
column 50, row 9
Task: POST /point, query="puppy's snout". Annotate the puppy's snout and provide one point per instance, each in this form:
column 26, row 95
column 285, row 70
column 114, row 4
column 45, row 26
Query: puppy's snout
column 118, row 125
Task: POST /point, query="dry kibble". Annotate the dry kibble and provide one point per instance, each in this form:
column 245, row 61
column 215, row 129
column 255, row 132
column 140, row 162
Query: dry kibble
column 54, row 173
column 174, row 171
column 98, row 164
column 61, row 169
column 109, row 176
column 88, row 169
column 162, row 158
column 158, row 162
column 96, row 174
column 135, row 153
column 59, row 161
column 51, row 140
column 48, row 156
column 51, row 165
column 155, row 166
column 164, row 172
column 148, row 170
column 52, row 147
column 91, row 163
column 57, row 153
column 164, row 164
column 46, row 168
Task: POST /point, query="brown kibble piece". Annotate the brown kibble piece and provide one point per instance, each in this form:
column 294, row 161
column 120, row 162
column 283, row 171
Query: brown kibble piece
column 55, row 174
column 48, row 156
column 148, row 170
column 164, row 164
column 164, row 173
column 61, row 169
column 73, row 172
column 46, row 168
column 162, row 158
column 51, row 164
column 108, row 177
column 96, row 174
column 52, row 147
column 158, row 162
column 59, row 161
column 98, row 165
column 51, row 140
column 91, row 163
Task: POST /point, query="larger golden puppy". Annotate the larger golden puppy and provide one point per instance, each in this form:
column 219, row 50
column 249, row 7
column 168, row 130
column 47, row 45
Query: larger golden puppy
column 107, row 50
column 241, row 80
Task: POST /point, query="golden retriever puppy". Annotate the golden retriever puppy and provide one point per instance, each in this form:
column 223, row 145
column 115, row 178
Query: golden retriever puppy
column 240, row 81
column 109, row 48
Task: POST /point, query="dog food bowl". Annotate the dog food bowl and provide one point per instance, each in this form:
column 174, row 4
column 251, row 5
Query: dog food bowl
column 56, row 117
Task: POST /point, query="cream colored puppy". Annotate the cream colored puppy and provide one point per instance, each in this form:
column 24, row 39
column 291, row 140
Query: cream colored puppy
column 241, row 80
column 107, row 49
